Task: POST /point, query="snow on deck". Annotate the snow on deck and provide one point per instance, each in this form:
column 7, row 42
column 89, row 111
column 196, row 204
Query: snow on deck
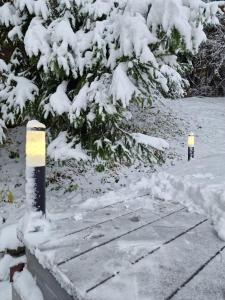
column 126, row 252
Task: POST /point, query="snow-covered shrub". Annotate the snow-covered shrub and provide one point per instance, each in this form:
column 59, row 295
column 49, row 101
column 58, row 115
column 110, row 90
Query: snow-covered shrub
column 77, row 65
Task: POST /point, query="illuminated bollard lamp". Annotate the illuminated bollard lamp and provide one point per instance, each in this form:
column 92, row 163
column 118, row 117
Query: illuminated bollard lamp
column 191, row 146
column 35, row 166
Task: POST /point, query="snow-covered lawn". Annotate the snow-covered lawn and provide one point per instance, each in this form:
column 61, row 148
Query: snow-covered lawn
column 199, row 184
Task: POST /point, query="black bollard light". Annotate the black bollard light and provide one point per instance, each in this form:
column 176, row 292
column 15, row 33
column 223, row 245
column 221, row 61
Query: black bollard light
column 191, row 146
column 35, row 166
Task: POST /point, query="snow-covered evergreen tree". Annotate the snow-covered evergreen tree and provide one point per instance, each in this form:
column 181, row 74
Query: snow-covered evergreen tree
column 77, row 65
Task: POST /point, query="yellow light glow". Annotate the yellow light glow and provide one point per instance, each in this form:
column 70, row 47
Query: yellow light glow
column 191, row 140
column 35, row 148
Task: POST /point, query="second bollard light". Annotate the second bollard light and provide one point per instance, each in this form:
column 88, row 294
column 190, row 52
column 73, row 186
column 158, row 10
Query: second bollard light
column 191, row 146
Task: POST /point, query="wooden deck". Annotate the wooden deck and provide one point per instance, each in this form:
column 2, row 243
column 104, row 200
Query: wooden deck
column 127, row 252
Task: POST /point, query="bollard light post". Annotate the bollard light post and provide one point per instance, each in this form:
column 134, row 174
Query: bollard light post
column 35, row 165
column 191, row 146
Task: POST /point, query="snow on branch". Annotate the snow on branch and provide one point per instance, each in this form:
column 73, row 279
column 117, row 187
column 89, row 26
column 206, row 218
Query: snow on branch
column 59, row 101
column 122, row 88
column 61, row 149
column 18, row 91
column 9, row 15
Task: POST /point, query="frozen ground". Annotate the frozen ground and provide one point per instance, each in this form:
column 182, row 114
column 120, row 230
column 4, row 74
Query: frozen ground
column 199, row 184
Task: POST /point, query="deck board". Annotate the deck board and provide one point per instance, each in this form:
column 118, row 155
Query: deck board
column 71, row 246
column 103, row 262
column 204, row 286
column 134, row 251
column 159, row 275
column 93, row 218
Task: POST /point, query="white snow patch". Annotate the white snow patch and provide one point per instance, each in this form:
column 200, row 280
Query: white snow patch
column 80, row 100
column 3, row 66
column 26, row 286
column 8, row 238
column 60, row 149
column 5, row 290
column 122, row 87
column 17, row 95
column 6, row 263
column 9, row 15
column 157, row 143
column 35, row 123
column 135, row 189
column 59, row 100
column 34, row 228
column 36, row 41
column 205, row 199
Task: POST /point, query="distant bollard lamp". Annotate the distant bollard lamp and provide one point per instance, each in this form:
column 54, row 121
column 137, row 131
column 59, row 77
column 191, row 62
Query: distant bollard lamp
column 191, row 146
column 35, row 166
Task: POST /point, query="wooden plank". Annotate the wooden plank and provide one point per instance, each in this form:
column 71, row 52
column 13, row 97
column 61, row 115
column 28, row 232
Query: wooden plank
column 74, row 245
column 158, row 275
column 77, row 244
column 102, row 263
column 98, row 216
column 92, row 218
column 208, row 283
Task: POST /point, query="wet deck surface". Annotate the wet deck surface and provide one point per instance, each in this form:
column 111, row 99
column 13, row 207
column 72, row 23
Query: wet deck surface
column 122, row 252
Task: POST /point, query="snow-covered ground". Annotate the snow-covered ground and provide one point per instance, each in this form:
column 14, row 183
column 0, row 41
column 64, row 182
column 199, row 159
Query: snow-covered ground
column 199, row 184
column 206, row 116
